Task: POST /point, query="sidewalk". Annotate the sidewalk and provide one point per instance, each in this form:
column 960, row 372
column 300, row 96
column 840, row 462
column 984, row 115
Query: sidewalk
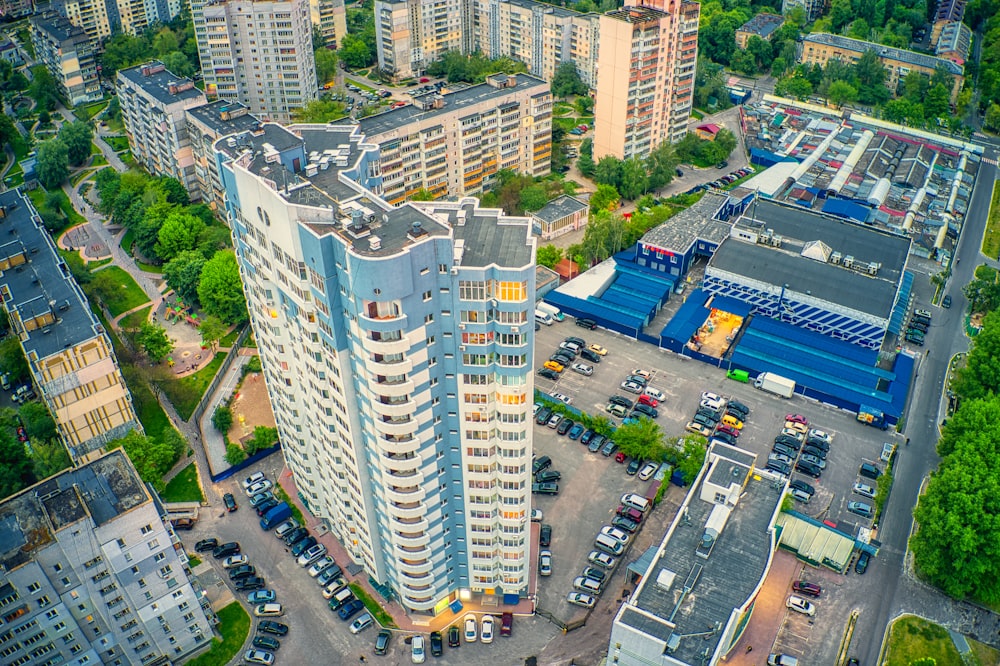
column 214, row 444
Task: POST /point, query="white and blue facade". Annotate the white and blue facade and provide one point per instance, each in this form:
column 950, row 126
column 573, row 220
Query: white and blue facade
column 397, row 349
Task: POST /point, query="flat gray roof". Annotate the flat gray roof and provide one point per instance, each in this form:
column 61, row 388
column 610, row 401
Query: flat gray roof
column 58, row 26
column 40, row 284
column 692, row 224
column 558, row 208
column 103, row 489
column 723, row 581
column 158, row 83
column 455, row 101
column 763, row 25
column 902, row 55
column 211, row 115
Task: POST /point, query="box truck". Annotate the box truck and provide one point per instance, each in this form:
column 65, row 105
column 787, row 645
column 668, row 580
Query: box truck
column 776, row 384
column 275, row 516
column 550, row 310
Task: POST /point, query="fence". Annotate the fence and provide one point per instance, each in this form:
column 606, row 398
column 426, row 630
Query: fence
column 234, row 352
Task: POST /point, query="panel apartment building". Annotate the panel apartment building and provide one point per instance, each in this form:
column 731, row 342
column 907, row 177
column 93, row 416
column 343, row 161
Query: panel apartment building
column 69, row 55
column 397, row 349
column 411, row 34
column 647, row 61
column 453, row 144
column 69, row 355
column 102, row 18
column 207, row 124
column 90, row 573
column 257, row 53
column 153, row 103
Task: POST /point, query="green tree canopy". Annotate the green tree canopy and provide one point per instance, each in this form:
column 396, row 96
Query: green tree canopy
column 77, row 136
column 178, row 63
column 16, row 469
column 49, row 457
column 980, row 378
column 642, row 440
column 212, row 329
column 326, row 65
column 321, row 111
column 154, row 341
column 180, row 231
column 548, row 255
column 43, row 88
column 533, row 198
column 222, row 419
column 605, row 198
column 152, row 459
column 567, row 81
column 12, row 361
column 37, row 421
column 841, row 92
column 221, row 290
column 634, row 181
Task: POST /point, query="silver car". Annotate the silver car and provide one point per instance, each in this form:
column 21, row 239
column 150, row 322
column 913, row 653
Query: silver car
column 312, row 554
column 583, row 369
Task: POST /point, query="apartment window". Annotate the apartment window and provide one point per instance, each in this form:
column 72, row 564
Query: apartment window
column 442, row 268
column 34, row 587
column 472, row 291
column 146, row 529
column 427, row 295
column 428, row 319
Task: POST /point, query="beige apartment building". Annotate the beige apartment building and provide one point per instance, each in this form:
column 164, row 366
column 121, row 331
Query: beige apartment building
column 72, row 364
column 207, row 124
column 761, row 25
column 646, row 61
column 411, row 34
column 819, row 48
column 153, row 102
column 257, row 53
column 454, row 143
column 69, row 55
column 100, row 19
column 330, row 16
column 540, row 35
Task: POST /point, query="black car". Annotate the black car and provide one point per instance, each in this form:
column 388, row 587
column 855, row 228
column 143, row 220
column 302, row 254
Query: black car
column 266, row 643
column 206, row 544
column 782, row 468
column 722, row 165
column 437, row 645
column 564, row 426
column 230, row 502
column 545, row 535
column 251, row 583
column 266, row 506
column 633, row 467
column 579, row 342
column 454, row 636
column 563, row 358
column 814, row 451
column 540, row 463
column 799, row 484
column 542, row 417
column 382, row 641
column 785, row 450
column 862, row 564
column 609, row 447
column 548, row 488
column 588, row 324
column 225, row 550
column 818, row 443
column 591, row 356
column 303, row 546
column 242, row 571
column 547, row 475
column 788, row 440
column 704, row 420
column 272, row 627
column 808, row 469
column 350, row 609
column 623, row 523
column 548, row 374
column 646, row 410
column 295, row 536
column 619, row 400
column 919, row 325
column 724, row 437
column 946, row 301
column 596, row 442
column 587, row 436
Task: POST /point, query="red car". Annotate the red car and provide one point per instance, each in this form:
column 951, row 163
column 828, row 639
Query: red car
column 646, row 400
column 620, row 457
column 798, row 418
column 506, row 624
column 809, row 589
column 22, row 435
column 729, row 430
column 424, row 79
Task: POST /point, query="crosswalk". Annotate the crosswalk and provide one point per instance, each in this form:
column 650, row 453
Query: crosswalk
column 990, row 160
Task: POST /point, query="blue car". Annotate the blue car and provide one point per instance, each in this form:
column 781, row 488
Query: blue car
column 575, row 432
column 261, row 596
column 350, row 609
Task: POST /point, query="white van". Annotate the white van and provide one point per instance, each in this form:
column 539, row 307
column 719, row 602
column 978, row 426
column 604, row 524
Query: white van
column 635, row 501
column 551, row 310
column 268, row 610
column 609, row 545
column 543, row 317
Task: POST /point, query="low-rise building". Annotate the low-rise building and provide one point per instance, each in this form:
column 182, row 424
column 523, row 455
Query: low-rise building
column 559, row 216
column 954, row 42
column 69, row 354
column 821, row 47
column 947, row 11
column 761, row 25
column 206, row 124
column 153, row 102
column 90, row 572
column 453, row 144
column 69, row 55
column 10, row 53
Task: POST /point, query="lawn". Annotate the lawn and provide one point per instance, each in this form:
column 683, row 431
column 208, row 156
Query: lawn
column 129, row 295
column 81, row 175
column 88, row 111
column 565, row 123
column 193, row 561
column 914, row 638
column 373, row 607
column 234, row 625
column 149, row 268
column 98, row 160
column 230, row 338
column 117, row 143
column 185, row 393
column 991, row 238
column 127, row 158
column 184, row 487
column 126, row 243
column 135, row 319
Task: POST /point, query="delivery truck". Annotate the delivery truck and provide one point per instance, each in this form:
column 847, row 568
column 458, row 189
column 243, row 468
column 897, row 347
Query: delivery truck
column 550, row 310
column 275, row 516
column 776, row 384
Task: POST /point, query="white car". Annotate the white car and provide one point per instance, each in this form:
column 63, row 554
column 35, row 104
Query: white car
column 712, row 400
column 632, row 387
column 820, row 435
column 536, row 515
column 486, row 629
column 580, row 599
column 471, row 628
column 563, row 398
column 258, row 487
column 864, row 490
column 583, row 369
column 655, row 393
column 333, row 587
column 545, row 563
column 361, row 623
column 794, row 434
column 602, row 559
column 256, row 477
column 537, row 406
column 234, row 561
column 317, row 567
column 616, row 534
column 311, row 554
column 800, row 605
column 647, row 471
column 417, row 653
column 258, row 657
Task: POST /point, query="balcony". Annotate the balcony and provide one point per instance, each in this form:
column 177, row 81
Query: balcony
column 412, row 552
column 416, row 570
column 411, row 539
column 389, row 407
column 415, row 588
column 411, row 511
column 387, row 447
column 405, row 494
column 391, row 388
column 407, row 464
column 411, row 526
column 396, row 428
column 386, row 347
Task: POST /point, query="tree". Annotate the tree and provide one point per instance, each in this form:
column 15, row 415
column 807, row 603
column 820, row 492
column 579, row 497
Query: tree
column 355, row 52
column 12, row 361
column 154, row 341
column 77, row 136
column 778, row 66
column 146, row 222
column 871, row 77
column 567, row 81
column 326, row 65
column 165, row 42
column 548, row 256
column 49, row 457
column 605, row 198
column 841, row 14
column 37, row 421
column 609, row 171
column 634, row 179
column 234, row 452
column 841, row 92
column 983, row 294
column 915, row 86
column 171, row 189
column 152, row 459
column 43, row 88
column 762, row 52
column 980, row 377
column 7, row 130
column 795, row 86
column 321, row 111
column 692, row 457
column 859, row 29
column 212, row 330
column 937, row 103
column 992, row 118
column 212, row 239
column 179, row 232
column 263, row 437
column 533, row 198
column 744, row 62
column 423, row 194
column 178, row 63
column 642, row 440
column 584, row 105
column 904, row 111
column 53, row 163
column 16, row 470
column 221, row 290
column 661, row 164
column 222, row 419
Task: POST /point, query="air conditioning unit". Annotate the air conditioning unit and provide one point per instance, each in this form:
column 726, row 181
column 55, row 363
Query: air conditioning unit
column 461, row 327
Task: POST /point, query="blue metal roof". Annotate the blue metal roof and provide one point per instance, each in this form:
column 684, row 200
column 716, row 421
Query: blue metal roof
column 847, row 209
column 902, row 304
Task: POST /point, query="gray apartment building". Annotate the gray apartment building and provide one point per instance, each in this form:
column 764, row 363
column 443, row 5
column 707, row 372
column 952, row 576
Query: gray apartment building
column 207, row 124
column 90, row 573
column 69, row 55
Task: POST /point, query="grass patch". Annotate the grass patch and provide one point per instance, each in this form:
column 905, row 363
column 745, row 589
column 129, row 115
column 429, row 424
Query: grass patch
column 230, row 338
column 88, row 111
column 565, row 123
column 149, row 268
column 234, row 625
column 97, row 263
column 136, row 319
column 193, row 561
column 129, row 294
column 117, row 143
column 991, row 237
column 98, row 160
column 184, row 487
column 127, row 158
column 373, row 607
column 986, row 655
column 696, row 114
column 562, row 109
column 126, row 242
column 82, row 175
column 114, row 124
column 914, row 638
column 14, row 179
column 20, row 147
column 185, row 392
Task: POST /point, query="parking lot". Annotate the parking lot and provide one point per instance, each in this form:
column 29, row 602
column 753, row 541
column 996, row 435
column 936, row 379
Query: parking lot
column 591, row 484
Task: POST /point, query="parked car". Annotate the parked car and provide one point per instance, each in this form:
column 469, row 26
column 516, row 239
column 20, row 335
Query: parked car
column 486, row 629
column 242, row 571
column 320, row 565
column 272, row 627
column 471, row 628
column 547, row 488
column 808, row 589
column 861, row 509
column 547, row 475
column 616, row 534
column 548, row 374
column 266, row 643
column 602, row 559
column 799, row 484
column 647, row 471
column 538, row 464
column 800, row 605
column 655, row 393
column 646, row 410
column 382, row 641
column 542, row 416
column 258, row 487
column 258, row 657
column 545, row 563
column 632, row 387
column 507, row 624
column 861, row 565
column 417, row 655
column 583, row 369
column 361, row 623
column 564, row 426
column 225, row 550
column 864, row 490
column 633, row 467
column 250, row 583
column 311, row 554
column 575, row 432
column 206, row 545
column 350, row 609
column 454, row 636
column 256, row 477
column 437, row 644
column 808, row 469
column 303, row 545
column 230, row 502
column 261, row 597
column 588, row 355
column 598, row 349
column 581, row 599
column 545, row 535
column 234, row 561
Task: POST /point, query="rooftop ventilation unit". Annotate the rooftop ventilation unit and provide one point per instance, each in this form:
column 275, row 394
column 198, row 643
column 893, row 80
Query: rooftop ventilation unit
column 848, row 261
column 835, row 257
column 665, row 579
column 374, row 243
column 873, row 268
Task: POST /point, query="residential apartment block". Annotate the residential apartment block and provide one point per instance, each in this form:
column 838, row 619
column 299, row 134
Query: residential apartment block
column 813, row 8
column 411, row 34
column 153, row 103
column 330, row 16
column 761, row 25
column 647, row 64
column 90, row 573
column 454, row 143
column 397, row 349
column 207, row 124
column 946, row 11
column 540, row 35
column 69, row 55
column 16, row 7
column 820, row 47
column 69, row 354
column 257, row 53
column 953, row 42
column 102, row 18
